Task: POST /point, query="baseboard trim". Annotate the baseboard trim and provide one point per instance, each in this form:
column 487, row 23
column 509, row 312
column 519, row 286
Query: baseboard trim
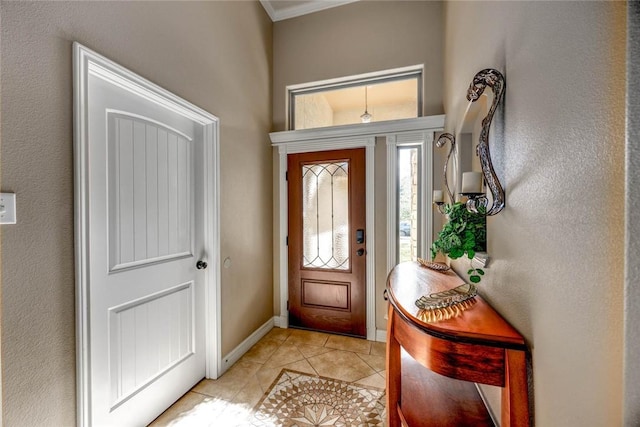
column 280, row 322
column 234, row 355
column 381, row 335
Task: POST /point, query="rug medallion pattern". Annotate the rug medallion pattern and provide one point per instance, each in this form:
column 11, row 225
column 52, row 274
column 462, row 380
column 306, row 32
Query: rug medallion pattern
column 300, row 400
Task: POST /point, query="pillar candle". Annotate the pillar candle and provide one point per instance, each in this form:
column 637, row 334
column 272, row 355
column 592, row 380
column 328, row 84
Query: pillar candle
column 472, row 182
column 437, row 196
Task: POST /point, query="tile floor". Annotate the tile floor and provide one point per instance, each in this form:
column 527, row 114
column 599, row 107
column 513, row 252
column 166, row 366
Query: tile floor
column 228, row 400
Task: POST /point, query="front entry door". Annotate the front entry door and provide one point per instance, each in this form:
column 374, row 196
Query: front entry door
column 327, row 257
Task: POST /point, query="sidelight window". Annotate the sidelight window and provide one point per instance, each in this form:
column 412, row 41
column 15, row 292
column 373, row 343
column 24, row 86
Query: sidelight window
column 409, row 188
column 409, row 215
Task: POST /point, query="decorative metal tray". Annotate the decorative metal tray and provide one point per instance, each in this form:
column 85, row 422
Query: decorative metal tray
column 437, row 266
column 447, row 298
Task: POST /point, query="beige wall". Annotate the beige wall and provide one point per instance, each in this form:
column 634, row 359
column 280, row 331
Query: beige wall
column 354, row 39
column 556, row 269
column 216, row 55
column 358, row 38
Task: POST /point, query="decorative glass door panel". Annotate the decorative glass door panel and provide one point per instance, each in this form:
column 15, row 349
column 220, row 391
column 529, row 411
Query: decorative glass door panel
column 325, row 215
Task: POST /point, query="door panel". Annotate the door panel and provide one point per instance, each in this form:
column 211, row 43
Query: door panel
column 148, row 337
column 150, row 220
column 326, row 271
column 333, row 295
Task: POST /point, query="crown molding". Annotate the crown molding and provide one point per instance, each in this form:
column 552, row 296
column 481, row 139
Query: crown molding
column 266, row 4
column 300, row 9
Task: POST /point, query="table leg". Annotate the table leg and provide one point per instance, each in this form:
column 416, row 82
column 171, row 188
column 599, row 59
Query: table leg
column 393, row 373
column 515, row 396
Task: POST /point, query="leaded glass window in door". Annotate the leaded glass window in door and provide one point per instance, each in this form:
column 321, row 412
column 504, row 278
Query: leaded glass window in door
column 325, row 215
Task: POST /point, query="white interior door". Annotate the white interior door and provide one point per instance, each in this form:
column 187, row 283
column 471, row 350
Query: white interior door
column 148, row 244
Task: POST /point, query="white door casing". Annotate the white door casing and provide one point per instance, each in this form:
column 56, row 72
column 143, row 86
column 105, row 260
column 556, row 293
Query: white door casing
column 324, row 145
column 146, row 173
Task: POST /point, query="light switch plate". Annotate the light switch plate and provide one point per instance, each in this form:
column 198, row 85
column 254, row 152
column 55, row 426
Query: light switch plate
column 7, row 208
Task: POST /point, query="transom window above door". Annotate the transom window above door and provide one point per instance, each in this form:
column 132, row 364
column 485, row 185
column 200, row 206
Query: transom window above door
column 388, row 95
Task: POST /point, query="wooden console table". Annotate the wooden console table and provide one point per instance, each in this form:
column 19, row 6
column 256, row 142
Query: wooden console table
column 478, row 346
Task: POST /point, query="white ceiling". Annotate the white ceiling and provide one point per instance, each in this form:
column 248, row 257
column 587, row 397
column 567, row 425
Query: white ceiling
column 285, row 9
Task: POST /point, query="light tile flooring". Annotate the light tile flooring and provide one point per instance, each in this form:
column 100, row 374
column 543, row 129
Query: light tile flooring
column 228, row 400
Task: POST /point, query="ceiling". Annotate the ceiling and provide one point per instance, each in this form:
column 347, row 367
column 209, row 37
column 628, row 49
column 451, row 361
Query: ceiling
column 279, row 10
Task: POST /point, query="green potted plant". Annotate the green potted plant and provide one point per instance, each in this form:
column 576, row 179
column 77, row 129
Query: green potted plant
column 464, row 234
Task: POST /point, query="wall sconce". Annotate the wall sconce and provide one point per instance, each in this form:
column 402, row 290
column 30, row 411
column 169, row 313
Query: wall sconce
column 438, row 200
column 477, row 201
column 472, row 189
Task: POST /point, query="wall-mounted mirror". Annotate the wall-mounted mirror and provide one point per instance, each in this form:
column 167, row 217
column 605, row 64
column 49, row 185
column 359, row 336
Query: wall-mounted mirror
column 467, row 137
column 465, row 156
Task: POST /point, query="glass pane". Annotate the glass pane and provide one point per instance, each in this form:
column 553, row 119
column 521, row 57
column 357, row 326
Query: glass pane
column 325, row 215
column 408, row 213
column 388, row 100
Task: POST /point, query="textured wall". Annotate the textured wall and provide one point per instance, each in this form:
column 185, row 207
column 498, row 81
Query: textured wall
column 218, row 56
column 632, row 279
column 358, row 38
column 556, row 269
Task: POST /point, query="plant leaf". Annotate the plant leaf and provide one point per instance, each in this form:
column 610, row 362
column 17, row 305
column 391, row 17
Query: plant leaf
column 456, row 253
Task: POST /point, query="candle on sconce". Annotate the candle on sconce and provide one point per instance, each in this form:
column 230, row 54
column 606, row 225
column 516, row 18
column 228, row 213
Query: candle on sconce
column 437, row 196
column 472, row 182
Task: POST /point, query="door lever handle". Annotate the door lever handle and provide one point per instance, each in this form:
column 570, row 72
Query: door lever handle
column 360, row 252
column 201, row 265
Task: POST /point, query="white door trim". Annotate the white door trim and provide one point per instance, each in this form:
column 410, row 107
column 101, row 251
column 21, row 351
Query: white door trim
column 337, row 138
column 86, row 63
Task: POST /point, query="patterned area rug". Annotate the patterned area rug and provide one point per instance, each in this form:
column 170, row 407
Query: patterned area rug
column 300, row 400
